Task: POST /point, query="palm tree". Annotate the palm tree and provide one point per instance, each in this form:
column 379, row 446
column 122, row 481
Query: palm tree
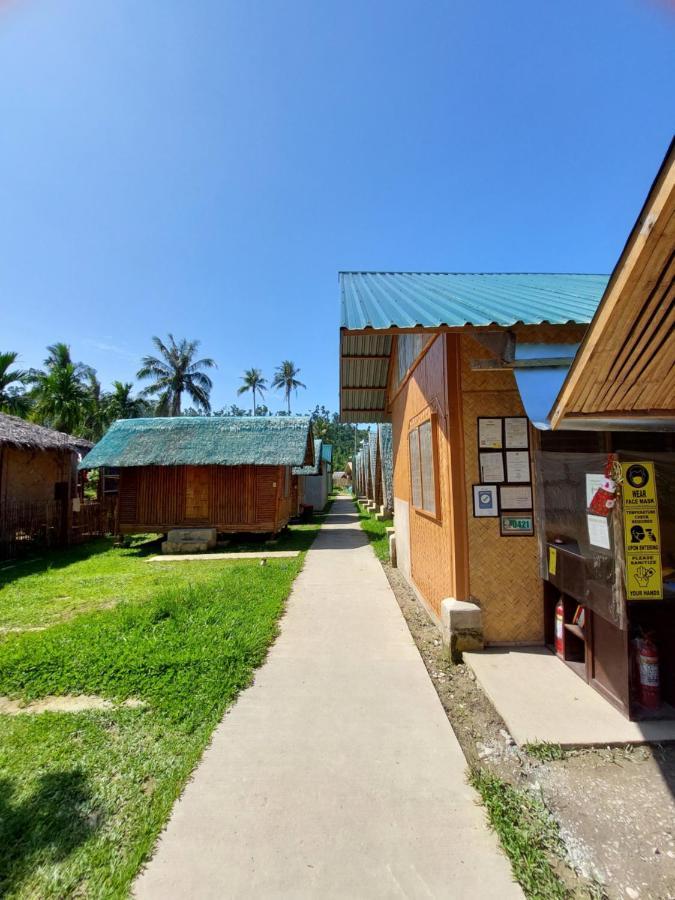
column 13, row 399
column 176, row 371
column 253, row 381
column 285, row 377
column 122, row 405
column 60, row 397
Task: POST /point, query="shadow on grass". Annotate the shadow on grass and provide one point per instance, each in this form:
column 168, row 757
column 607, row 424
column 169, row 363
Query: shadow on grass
column 45, row 827
column 10, row 570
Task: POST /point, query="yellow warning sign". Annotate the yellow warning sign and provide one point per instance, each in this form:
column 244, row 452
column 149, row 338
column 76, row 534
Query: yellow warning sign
column 552, row 560
column 642, row 539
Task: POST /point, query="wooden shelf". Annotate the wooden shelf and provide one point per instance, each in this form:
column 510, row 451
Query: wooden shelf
column 575, row 630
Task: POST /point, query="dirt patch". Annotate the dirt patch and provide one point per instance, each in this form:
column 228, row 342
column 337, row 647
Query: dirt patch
column 615, row 809
column 68, row 703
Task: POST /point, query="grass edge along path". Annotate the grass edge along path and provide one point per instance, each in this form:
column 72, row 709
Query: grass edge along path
column 527, row 833
column 84, row 796
column 376, row 531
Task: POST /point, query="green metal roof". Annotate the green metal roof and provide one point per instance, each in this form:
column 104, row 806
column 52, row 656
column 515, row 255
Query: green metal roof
column 202, row 441
column 314, row 469
column 430, row 299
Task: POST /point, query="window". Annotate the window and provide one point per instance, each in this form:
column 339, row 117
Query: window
column 287, row 481
column 415, row 473
column 423, row 467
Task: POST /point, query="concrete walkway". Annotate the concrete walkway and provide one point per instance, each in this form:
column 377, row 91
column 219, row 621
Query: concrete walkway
column 337, row 774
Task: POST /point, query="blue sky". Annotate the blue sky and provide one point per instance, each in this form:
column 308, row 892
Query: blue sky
column 207, row 167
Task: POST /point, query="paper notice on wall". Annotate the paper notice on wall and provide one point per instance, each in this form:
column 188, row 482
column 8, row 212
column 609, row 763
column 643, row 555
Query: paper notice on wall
column 516, row 433
column 489, row 434
column 518, row 465
column 491, row 468
column 593, row 482
column 598, row 532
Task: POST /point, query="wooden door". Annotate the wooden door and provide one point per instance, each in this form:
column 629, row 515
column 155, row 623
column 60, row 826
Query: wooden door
column 197, row 493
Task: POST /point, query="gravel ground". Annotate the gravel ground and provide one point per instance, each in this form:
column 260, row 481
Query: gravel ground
column 615, row 808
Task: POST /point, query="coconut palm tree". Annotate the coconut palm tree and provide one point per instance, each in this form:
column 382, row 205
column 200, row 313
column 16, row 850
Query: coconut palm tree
column 175, row 372
column 122, row 405
column 13, row 399
column 253, row 381
column 60, row 397
column 285, row 377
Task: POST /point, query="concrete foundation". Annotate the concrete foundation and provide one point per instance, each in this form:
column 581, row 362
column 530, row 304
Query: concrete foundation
column 190, row 540
column 461, row 627
column 392, row 550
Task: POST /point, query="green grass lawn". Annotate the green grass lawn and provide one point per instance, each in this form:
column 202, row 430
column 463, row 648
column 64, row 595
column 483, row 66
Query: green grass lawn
column 375, row 531
column 84, row 795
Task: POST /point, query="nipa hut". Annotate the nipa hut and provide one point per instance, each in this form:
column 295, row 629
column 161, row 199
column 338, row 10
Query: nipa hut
column 230, row 473
column 38, row 481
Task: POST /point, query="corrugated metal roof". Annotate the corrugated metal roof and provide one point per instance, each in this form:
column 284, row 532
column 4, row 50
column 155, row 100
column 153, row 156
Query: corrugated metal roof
column 432, row 299
column 201, row 441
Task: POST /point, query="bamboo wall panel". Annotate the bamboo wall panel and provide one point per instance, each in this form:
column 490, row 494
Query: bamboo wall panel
column 267, row 485
column 197, row 484
column 29, row 475
column 161, row 495
column 503, row 572
column 128, row 496
column 237, row 498
column 432, row 548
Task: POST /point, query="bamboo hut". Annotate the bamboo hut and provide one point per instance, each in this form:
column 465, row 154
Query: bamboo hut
column 38, row 482
column 230, row 473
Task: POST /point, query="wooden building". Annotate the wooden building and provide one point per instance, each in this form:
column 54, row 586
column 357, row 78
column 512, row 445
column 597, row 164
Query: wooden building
column 437, row 356
column 38, row 482
column 228, row 473
column 496, row 481
column 617, row 570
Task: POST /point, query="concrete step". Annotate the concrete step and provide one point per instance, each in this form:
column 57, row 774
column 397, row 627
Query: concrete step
column 181, row 535
column 186, row 546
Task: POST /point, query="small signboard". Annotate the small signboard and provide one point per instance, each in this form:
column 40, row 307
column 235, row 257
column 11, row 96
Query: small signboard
column 516, row 525
column 485, row 501
column 642, row 538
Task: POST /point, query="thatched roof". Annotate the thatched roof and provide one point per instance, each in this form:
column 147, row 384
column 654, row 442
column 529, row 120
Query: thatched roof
column 19, row 433
column 315, row 467
column 203, row 441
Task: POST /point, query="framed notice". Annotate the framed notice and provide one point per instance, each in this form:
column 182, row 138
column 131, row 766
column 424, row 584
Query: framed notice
column 485, row 501
column 491, row 467
column 514, row 497
column 518, row 466
column 516, row 524
column 490, row 434
column 516, row 433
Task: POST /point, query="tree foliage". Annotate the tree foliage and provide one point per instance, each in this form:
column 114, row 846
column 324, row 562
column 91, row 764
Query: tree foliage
column 254, row 381
column 175, row 372
column 285, row 378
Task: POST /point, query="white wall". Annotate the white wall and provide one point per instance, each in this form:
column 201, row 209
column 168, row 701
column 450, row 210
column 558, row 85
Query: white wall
column 314, row 491
column 402, row 526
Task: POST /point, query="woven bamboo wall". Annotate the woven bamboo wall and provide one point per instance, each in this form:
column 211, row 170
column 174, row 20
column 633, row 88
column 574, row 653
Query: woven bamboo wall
column 29, row 476
column 431, row 539
column 503, row 571
column 229, row 498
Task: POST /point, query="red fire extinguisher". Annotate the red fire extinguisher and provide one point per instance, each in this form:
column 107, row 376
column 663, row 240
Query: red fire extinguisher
column 648, row 672
column 559, row 628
